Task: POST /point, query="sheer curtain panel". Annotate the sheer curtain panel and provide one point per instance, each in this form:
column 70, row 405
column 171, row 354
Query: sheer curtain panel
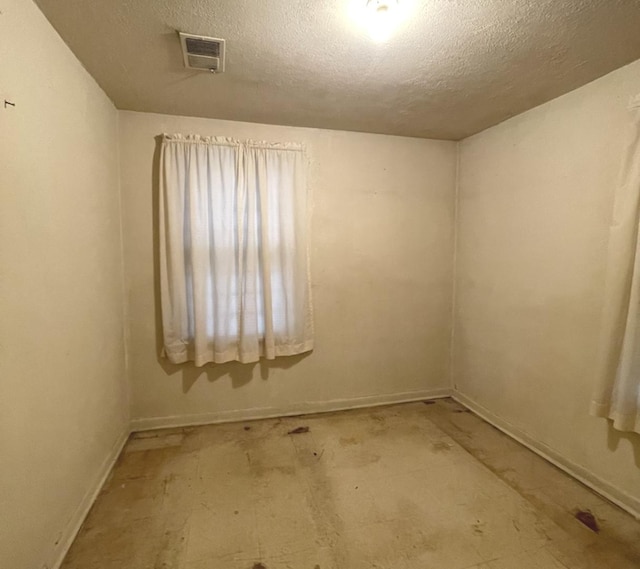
column 617, row 394
column 233, row 250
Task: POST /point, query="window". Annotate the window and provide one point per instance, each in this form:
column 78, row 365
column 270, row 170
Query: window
column 233, row 250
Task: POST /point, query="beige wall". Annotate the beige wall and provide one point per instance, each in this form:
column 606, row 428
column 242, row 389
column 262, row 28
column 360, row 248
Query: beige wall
column 381, row 256
column 63, row 392
column 535, row 195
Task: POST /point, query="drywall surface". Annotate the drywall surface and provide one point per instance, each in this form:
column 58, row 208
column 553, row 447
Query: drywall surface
column 535, row 199
column 381, row 264
column 63, row 391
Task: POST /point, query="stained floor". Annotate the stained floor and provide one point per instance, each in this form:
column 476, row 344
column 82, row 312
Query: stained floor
column 412, row 486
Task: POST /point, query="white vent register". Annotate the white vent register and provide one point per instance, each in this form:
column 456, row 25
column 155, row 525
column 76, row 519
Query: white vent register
column 202, row 52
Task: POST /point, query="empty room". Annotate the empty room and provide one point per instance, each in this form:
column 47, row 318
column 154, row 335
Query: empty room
column 319, row 284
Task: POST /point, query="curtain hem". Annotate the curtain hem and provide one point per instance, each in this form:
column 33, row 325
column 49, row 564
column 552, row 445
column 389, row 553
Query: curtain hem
column 186, row 355
column 627, row 422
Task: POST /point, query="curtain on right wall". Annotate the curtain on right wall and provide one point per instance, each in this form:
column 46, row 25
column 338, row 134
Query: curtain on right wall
column 617, row 393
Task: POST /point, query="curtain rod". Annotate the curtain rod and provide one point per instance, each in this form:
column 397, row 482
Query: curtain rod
column 226, row 141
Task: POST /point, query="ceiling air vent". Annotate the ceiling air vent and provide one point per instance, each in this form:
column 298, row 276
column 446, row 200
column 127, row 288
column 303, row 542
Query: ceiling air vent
column 202, row 52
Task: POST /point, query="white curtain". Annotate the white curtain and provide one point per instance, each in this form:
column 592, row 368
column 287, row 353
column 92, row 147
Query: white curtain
column 617, row 394
column 233, row 250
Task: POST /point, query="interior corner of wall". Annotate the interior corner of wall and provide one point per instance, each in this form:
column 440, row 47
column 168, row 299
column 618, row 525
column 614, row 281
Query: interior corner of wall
column 454, row 267
column 126, row 335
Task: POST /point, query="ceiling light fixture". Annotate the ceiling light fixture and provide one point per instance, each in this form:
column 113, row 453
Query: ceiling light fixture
column 380, row 18
column 380, row 15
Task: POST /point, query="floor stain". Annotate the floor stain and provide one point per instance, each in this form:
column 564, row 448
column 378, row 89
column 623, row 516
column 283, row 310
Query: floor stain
column 362, row 459
column 172, row 548
column 586, row 518
column 478, row 528
column 429, row 402
column 348, row 441
column 259, row 566
column 440, row 446
column 298, row 431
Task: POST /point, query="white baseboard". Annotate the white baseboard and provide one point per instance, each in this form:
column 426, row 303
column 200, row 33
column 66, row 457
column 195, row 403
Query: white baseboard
column 303, row 408
column 612, row 493
column 72, row 528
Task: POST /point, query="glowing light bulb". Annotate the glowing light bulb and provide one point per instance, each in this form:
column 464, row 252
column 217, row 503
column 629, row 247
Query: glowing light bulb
column 381, row 18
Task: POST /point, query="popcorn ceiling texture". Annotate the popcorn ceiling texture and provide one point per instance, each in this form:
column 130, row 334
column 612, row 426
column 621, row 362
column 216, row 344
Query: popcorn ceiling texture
column 455, row 67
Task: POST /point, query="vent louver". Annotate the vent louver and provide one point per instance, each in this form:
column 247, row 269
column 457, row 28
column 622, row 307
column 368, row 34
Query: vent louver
column 202, row 52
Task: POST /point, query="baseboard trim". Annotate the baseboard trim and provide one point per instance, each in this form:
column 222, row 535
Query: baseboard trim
column 605, row 489
column 72, row 528
column 303, row 408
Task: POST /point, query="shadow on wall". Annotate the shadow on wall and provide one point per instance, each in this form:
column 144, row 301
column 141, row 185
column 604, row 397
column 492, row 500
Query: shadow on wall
column 240, row 374
column 614, row 437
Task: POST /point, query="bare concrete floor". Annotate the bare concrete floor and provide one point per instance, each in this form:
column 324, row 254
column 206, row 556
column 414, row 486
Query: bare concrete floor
column 427, row 486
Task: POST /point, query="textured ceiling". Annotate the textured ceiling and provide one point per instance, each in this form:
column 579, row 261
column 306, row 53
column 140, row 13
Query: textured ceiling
column 453, row 68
